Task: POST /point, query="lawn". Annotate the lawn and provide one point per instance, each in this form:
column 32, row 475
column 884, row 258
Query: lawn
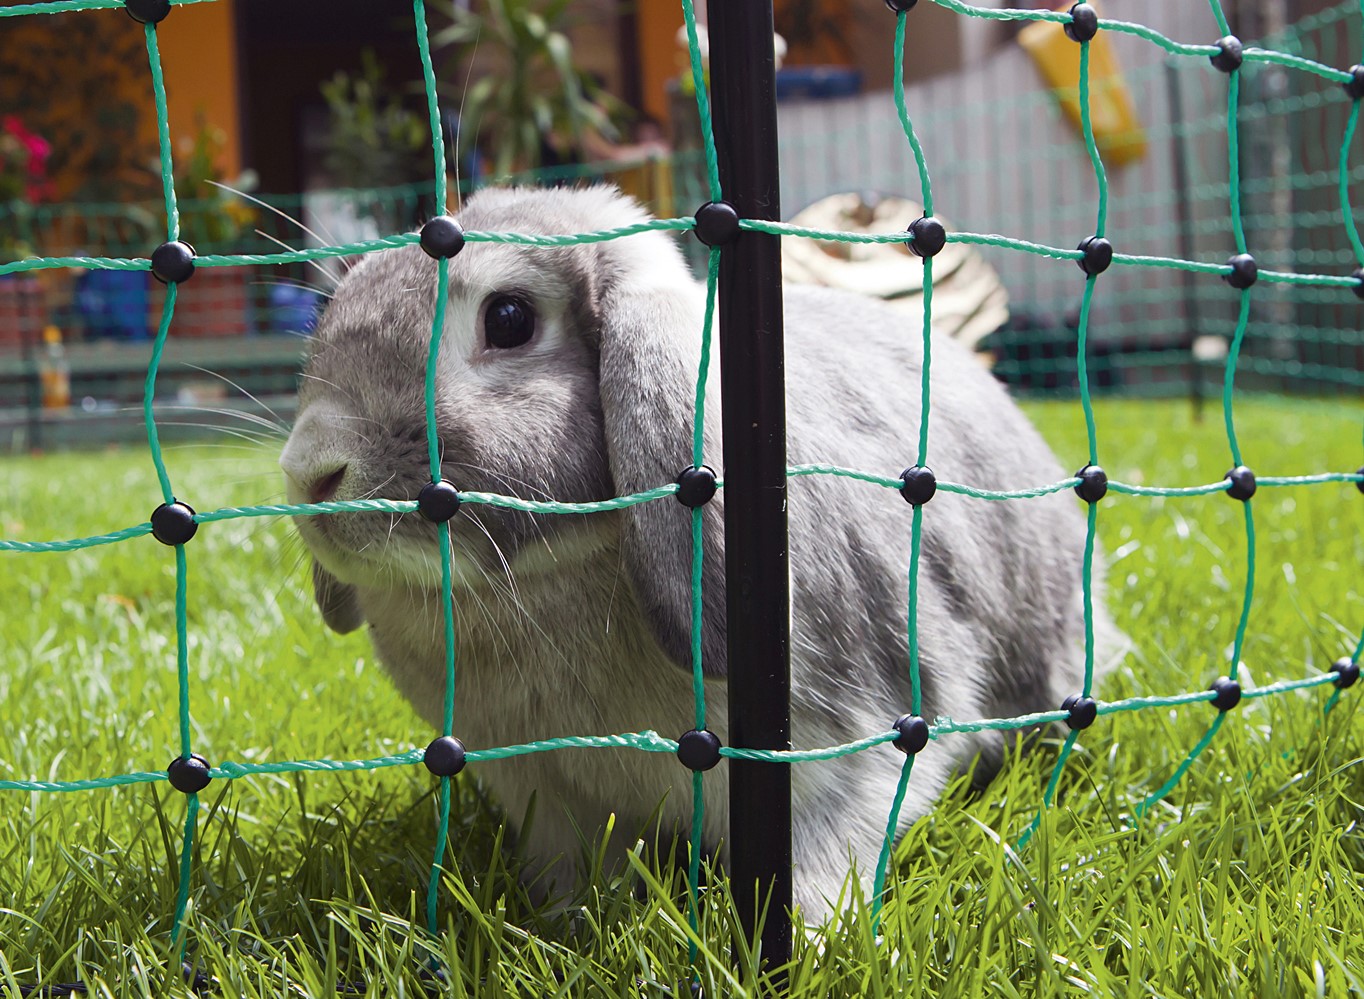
column 1247, row 880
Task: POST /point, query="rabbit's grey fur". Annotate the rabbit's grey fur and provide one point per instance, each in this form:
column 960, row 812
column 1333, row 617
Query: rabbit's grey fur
column 575, row 625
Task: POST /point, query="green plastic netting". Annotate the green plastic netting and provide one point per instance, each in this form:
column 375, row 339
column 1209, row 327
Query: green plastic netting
column 1340, row 284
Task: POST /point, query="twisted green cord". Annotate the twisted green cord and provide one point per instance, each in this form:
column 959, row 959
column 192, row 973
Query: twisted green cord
column 1183, row 768
column 1087, row 126
column 698, row 448
column 1296, row 62
column 182, row 645
column 1087, row 592
column 1087, row 404
column 149, row 392
column 61, row 6
column 703, row 371
column 1049, row 794
column 88, row 263
column 1229, row 377
column 432, row 104
column 652, row 742
column 1350, row 228
column 179, row 939
column 697, row 459
column 927, row 361
column 1228, row 392
column 1082, row 363
column 163, row 134
column 1221, row 16
column 433, row 879
column 432, row 357
column 78, row 543
column 1234, row 160
column 916, row 527
column 540, row 506
column 915, row 547
column 698, row 77
column 446, row 592
column 1152, row 35
column 924, row 185
column 393, row 242
column 878, row 891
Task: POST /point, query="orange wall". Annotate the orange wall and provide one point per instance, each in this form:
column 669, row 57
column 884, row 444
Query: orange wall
column 658, row 53
column 107, row 53
column 199, row 58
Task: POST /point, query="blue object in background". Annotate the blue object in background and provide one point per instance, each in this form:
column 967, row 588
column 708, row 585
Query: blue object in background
column 818, row 82
column 293, row 309
column 113, row 304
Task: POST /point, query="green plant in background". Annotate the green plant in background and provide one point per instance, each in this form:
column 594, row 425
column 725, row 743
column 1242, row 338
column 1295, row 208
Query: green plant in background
column 211, row 213
column 23, row 183
column 73, row 88
column 816, row 26
column 528, row 104
column 374, row 141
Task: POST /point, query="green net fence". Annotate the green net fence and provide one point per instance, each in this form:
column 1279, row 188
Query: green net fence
column 175, row 522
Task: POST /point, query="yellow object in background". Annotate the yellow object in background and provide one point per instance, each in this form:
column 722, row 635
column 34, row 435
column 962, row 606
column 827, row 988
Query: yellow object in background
column 1113, row 114
column 54, row 373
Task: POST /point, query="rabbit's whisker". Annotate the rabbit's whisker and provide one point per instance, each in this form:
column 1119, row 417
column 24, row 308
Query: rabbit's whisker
column 278, row 422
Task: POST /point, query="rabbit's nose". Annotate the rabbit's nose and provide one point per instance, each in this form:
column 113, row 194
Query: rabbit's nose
column 316, row 483
column 313, row 478
column 324, row 486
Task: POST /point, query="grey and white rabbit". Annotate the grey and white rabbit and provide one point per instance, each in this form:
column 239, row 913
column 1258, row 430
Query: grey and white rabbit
column 569, row 373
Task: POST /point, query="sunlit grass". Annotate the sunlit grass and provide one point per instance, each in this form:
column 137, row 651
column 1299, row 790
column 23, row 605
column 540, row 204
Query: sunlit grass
column 1245, row 881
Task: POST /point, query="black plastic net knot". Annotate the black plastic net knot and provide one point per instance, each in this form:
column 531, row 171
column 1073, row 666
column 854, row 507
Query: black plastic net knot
column 188, row 774
column 173, row 523
column 1228, row 693
column 445, row 756
column 717, row 223
column 1093, row 484
column 173, row 262
column 919, row 485
column 1230, row 54
column 442, row 237
column 698, row 749
column 1083, row 711
column 147, row 11
column 1244, row 271
column 1083, row 24
column 1098, row 255
column 927, row 236
column 1347, row 672
column 913, row 735
column 696, row 486
column 901, row 6
column 438, row 501
column 1354, row 86
column 1242, row 481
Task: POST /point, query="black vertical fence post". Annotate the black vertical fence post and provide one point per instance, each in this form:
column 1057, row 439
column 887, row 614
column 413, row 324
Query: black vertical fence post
column 754, row 419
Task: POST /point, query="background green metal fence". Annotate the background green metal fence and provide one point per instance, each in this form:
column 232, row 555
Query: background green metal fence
column 1012, row 167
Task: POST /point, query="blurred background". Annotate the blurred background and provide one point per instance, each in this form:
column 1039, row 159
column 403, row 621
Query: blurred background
column 304, row 123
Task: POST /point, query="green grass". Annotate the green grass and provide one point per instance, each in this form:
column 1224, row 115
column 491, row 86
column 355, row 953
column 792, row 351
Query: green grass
column 1247, row 880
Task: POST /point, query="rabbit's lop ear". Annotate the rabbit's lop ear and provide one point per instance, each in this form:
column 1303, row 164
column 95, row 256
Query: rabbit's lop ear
column 651, row 313
column 338, row 601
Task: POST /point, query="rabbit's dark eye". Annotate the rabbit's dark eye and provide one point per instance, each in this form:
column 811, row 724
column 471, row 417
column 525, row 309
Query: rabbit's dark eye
column 508, row 322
